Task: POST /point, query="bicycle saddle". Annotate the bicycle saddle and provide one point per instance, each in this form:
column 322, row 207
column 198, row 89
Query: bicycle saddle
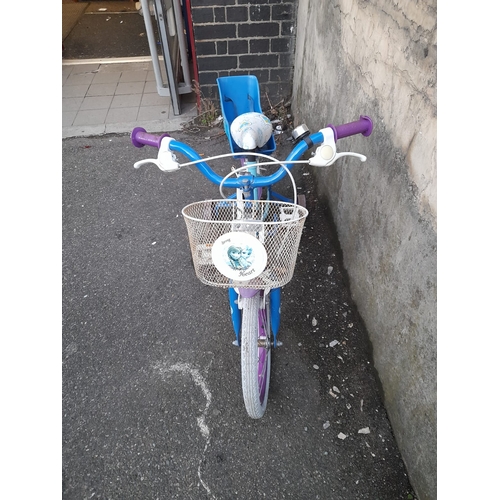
column 251, row 130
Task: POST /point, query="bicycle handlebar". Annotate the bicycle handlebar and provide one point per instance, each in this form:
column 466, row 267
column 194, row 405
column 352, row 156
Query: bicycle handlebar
column 140, row 138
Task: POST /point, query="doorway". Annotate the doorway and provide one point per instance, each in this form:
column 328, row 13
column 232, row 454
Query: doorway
column 103, row 30
column 118, row 30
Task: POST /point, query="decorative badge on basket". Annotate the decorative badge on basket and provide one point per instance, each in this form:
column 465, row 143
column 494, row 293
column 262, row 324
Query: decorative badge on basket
column 239, row 256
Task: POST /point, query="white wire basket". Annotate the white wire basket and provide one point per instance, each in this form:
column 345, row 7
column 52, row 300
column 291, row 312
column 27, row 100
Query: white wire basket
column 244, row 244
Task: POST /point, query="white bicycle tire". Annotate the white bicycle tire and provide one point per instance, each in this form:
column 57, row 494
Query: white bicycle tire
column 255, row 392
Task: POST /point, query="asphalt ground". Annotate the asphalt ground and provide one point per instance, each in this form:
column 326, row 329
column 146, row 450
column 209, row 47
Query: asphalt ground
column 151, row 396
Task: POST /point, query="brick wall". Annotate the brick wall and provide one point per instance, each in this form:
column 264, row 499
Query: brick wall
column 236, row 37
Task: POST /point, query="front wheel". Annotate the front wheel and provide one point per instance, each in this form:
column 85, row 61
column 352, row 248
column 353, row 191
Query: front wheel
column 255, row 354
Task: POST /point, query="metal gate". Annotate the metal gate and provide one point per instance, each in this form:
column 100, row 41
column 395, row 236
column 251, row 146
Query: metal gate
column 172, row 68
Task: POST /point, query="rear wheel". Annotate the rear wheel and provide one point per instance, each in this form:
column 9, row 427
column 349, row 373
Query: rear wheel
column 255, row 354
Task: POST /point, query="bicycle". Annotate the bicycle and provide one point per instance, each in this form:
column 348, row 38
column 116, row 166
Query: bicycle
column 247, row 242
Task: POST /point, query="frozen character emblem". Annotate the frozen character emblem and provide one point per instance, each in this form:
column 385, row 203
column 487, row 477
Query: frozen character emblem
column 239, row 256
column 246, row 256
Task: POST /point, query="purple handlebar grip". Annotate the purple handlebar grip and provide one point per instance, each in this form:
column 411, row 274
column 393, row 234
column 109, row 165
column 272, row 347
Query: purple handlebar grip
column 141, row 138
column 363, row 126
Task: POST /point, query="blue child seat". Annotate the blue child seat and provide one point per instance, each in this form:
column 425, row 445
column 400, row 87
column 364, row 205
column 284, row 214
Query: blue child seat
column 238, row 95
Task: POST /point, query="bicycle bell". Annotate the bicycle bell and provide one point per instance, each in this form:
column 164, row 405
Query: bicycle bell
column 300, row 133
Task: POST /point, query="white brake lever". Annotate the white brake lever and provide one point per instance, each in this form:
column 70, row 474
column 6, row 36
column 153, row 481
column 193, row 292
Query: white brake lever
column 166, row 161
column 139, row 163
column 326, row 154
column 357, row 155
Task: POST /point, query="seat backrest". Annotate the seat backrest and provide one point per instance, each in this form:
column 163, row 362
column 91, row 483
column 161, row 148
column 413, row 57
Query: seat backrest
column 240, row 94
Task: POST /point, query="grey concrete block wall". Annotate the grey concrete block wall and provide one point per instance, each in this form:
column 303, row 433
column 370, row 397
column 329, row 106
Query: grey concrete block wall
column 379, row 58
column 236, row 37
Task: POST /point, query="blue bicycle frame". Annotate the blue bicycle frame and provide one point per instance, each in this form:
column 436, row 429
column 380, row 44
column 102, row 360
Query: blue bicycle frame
column 247, row 183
